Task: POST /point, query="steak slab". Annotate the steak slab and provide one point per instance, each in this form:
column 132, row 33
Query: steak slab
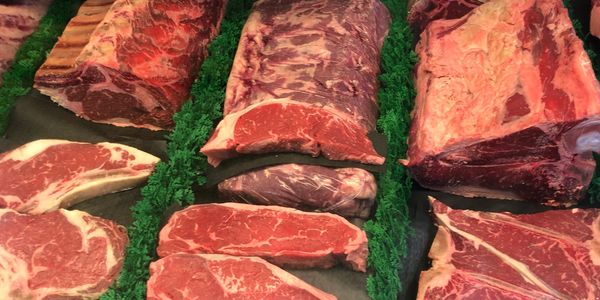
column 215, row 276
column 46, row 175
column 283, row 236
column 130, row 63
column 483, row 255
column 507, row 105
column 58, row 255
column 348, row 192
column 422, row 12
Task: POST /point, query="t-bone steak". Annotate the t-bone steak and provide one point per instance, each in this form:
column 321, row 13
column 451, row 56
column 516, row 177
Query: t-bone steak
column 58, row 255
column 507, row 105
column 349, row 192
column 304, row 80
column 131, row 62
column 483, row 255
column 283, row 236
column 216, row 276
column 45, row 175
column 18, row 19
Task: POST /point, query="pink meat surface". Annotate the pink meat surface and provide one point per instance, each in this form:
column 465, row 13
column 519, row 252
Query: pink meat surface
column 58, row 255
column 595, row 18
column 45, row 175
column 507, row 105
column 483, row 255
column 215, row 276
column 304, row 79
column 138, row 64
column 283, row 236
column 422, row 12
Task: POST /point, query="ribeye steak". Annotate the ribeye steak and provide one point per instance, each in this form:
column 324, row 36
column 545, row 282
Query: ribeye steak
column 58, row 255
column 283, row 236
column 45, row 175
column 216, row 276
column 482, row 255
column 131, row 62
column 507, row 105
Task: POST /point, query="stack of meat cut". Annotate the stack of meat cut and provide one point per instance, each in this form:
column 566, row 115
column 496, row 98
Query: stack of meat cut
column 130, row 63
column 18, row 19
column 507, row 105
column 304, row 80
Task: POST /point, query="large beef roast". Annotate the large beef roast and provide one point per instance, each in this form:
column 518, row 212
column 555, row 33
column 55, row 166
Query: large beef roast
column 130, row 63
column 507, row 106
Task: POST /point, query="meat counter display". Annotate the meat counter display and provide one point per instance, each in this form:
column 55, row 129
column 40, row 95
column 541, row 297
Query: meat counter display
column 267, row 150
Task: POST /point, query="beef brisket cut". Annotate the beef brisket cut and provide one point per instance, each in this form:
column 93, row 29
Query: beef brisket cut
column 422, row 12
column 18, row 19
column 348, row 192
column 131, row 62
column 283, row 236
column 304, row 79
column 549, row 255
column 58, row 255
column 45, row 175
column 215, row 276
column 507, row 105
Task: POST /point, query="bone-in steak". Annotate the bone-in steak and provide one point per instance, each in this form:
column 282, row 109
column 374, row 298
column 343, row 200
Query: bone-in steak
column 483, row 255
column 58, row 255
column 283, row 236
column 45, row 175
column 215, row 276
column 507, row 105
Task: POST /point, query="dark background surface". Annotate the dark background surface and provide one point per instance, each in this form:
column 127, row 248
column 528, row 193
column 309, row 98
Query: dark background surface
column 37, row 117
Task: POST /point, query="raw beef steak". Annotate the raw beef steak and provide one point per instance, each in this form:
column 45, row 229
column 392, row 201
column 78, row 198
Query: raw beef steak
column 45, row 175
column 422, row 12
column 18, row 19
column 131, row 62
column 595, row 19
column 283, row 236
column 216, row 276
column 549, row 255
column 507, row 105
column 58, row 255
column 348, row 192
column 304, row 79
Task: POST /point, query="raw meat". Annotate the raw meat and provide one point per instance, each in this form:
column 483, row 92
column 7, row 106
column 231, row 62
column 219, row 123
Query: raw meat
column 548, row 255
column 18, row 19
column 304, row 80
column 595, row 19
column 58, row 255
column 507, row 105
column 422, row 12
column 283, row 236
column 131, row 62
column 348, row 192
column 215, row 276
column 45, row 175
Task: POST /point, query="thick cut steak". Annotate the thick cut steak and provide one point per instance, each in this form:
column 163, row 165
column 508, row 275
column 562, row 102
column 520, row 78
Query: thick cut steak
column 45, row 175
column 484, row 255
column 507, row 105
column 216, row 277
column 348, row 192
column 304, row 79
column 283, row 236
column 422, row 12
column 595, row 19
column 131, row 62
column 58, row 255
column 18, row 19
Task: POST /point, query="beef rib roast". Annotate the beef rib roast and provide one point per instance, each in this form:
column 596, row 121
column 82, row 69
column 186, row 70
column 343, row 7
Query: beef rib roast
column 484, row 255
column 283, row 236
column 46, row 175
column 216, row 276
column 58, row 255
column 131, row 62
column 507, row 105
